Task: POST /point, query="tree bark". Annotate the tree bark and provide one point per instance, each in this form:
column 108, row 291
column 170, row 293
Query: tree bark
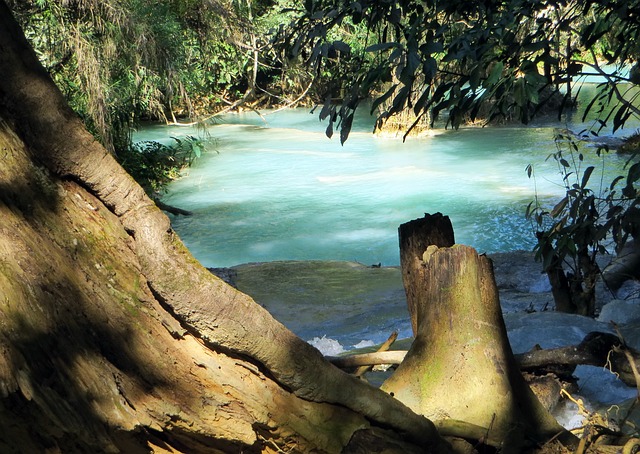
column 624, row 266
column 560, row 288
column 114, row 338
column 574, row 293
column 460, row 366
column 415, row 237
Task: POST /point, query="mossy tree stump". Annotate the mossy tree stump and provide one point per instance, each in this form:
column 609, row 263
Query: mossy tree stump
column 460, row 371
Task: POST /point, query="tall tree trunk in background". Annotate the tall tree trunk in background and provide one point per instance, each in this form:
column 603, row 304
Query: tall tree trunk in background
column 114, row 338
column 460, row 371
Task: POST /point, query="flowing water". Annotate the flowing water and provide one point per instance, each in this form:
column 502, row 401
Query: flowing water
column 276, row 188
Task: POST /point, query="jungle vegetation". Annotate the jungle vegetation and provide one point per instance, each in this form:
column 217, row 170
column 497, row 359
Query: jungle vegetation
column 115, row 339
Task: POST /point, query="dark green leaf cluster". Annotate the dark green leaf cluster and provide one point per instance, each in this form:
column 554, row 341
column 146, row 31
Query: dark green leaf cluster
column 586, row 223
column 154, row 165
column 467, row 60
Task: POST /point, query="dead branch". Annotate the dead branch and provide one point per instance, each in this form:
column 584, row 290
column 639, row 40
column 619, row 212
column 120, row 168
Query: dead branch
column 383, row 348
column 597, row 349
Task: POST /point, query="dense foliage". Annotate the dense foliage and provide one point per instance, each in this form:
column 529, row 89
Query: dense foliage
column 471, row 59
column 119, row 61
column 154, row 165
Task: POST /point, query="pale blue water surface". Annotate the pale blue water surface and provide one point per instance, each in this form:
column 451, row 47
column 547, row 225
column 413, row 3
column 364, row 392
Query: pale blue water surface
column 276, row 188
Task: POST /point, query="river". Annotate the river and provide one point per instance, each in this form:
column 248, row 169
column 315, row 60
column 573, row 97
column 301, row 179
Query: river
column 276, row 188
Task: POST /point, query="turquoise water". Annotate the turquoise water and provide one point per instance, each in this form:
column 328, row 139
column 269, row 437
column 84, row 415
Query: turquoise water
column 276, row 188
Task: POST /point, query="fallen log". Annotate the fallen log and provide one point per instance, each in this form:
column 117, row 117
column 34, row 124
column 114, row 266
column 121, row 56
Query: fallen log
column 393, row 357
column 596, row 349
column 383, row 348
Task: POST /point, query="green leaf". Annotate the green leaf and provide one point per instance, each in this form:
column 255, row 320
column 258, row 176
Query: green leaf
column 432, row 47
column 345, row 127
column 559, row 208
column 378, row 101
column 633, row 174
column 519, row 95
column 494, row 75
column 529, row 211
column 621, row 117
column 341, row 46
column 532, row 94
column 381, row 47
column 329, row 130
column 585, row 177
column 429, row 69
column 615, row 181
column 533, row 47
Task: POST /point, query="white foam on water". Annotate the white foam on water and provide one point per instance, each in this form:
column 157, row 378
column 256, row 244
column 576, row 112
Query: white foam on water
column 364, row 344
column 327, row 346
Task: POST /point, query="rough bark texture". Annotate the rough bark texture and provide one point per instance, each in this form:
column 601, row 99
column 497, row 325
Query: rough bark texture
column 114, row 338
column 90, row 361
column 460, row 365
column 560, row 288
column 415, row 237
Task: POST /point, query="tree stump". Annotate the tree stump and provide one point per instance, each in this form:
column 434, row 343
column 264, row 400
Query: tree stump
column 461, row 346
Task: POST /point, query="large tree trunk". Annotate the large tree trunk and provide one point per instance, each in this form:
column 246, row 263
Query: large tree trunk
column 112, row 337
column 460, row 366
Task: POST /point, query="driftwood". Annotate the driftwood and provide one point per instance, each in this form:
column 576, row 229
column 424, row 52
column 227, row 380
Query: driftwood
column 597, row 349
column 393, row 357
column 362, row 369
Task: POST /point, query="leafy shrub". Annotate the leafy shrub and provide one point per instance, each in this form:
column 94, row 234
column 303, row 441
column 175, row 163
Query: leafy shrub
column 584, row 224
column 154, row 165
